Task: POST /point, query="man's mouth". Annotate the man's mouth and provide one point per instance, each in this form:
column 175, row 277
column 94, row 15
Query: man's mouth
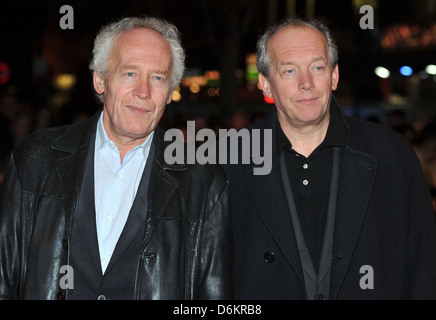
column 307, row 101
column 137, row 110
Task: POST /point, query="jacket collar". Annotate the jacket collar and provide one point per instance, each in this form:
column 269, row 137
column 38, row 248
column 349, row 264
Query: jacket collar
column 335, row 104
column 75, row 141
column 161, row 145
column 77, row 137
column 271, row 120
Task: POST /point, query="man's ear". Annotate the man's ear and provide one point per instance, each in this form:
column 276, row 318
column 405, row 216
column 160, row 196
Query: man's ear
column 98, row 83
column 264, row 83
column 335, row 77
column 170, row 97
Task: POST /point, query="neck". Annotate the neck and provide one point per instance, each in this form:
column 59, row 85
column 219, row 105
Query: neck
column 306, row 139
column 125, row 142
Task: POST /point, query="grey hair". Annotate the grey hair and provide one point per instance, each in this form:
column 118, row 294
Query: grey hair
column 263, row 58
column 107, row 35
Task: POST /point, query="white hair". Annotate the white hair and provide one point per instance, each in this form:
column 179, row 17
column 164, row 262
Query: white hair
column 106, row 36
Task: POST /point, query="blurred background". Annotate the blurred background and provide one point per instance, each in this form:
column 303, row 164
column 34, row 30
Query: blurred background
column 387, row 73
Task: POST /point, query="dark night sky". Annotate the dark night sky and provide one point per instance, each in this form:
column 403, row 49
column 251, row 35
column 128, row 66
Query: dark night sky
column 206, row 25
column 214, row 31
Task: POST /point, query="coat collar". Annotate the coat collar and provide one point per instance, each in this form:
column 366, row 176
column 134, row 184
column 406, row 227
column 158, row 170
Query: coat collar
column 77, row 137
column 74, row 142
column 271, row 121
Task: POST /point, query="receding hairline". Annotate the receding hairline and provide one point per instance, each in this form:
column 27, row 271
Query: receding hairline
column 300, row 25
column 118, row 36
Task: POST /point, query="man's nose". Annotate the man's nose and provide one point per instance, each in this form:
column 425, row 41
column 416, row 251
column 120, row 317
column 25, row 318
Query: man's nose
column 306, row 81
column 142, row 89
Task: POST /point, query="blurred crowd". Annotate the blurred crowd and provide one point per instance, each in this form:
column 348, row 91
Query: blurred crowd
column 20, row 118
column 422, row 137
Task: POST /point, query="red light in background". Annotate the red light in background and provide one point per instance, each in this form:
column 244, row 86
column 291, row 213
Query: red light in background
column 5, row 73
column 268, row 100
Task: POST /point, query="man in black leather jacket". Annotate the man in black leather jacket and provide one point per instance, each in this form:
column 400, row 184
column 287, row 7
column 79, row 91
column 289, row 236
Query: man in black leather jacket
column 93, row 211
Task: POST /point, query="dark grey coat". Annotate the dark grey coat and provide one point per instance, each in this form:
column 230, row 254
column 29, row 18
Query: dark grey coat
column 384, row 219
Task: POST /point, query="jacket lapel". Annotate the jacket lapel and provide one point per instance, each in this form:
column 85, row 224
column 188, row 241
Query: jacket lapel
column 162, row 185
column 85, row 216
column 356, row 178
column 75, row 143
column 268, row 194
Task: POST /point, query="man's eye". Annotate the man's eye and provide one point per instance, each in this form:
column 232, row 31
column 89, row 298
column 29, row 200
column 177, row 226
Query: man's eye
column 158, row 78
column 130, row 74
column 289, row 73
column 318, row 68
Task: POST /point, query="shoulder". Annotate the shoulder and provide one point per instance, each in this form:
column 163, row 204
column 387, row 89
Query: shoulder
column 362, row 129
column 378, row 140
column 47, row 145
column 186, row 163
column 38, row 144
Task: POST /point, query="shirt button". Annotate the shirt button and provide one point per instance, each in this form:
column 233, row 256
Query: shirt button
column 113, row 145
column 110, row 217
column 117, row 176
column 103, row 260
column 305, row 182
column 305, row 166
column 101, row 297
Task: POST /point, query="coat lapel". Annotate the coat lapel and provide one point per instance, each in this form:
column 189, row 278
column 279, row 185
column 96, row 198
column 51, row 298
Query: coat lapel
column 75, row 143
column 85, row 215
column 71, row 172
column 162, row 185
column 268, row 194
column 356, row 178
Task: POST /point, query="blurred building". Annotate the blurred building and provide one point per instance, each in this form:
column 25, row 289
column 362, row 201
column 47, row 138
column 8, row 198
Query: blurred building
column 48, row 65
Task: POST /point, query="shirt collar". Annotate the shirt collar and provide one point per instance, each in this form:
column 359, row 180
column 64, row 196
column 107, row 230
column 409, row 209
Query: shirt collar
column 336, row 133
column 101, row 137
column 102, row 140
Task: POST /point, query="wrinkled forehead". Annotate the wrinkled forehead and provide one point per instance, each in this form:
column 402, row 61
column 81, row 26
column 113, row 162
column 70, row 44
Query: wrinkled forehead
column 144, row 43
column 298, row 39
column 140, row 38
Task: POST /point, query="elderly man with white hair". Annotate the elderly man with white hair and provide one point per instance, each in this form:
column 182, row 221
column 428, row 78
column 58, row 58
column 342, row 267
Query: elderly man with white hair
column 92, row 211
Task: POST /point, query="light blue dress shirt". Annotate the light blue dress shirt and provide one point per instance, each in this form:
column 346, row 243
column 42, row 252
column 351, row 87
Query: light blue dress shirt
column 115, row 188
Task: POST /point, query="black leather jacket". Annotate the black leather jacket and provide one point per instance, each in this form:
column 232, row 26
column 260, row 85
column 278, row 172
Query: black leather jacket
column 38, row 202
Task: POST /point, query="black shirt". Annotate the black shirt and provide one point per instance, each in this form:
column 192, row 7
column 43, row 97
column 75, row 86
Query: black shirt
column 310, row 180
